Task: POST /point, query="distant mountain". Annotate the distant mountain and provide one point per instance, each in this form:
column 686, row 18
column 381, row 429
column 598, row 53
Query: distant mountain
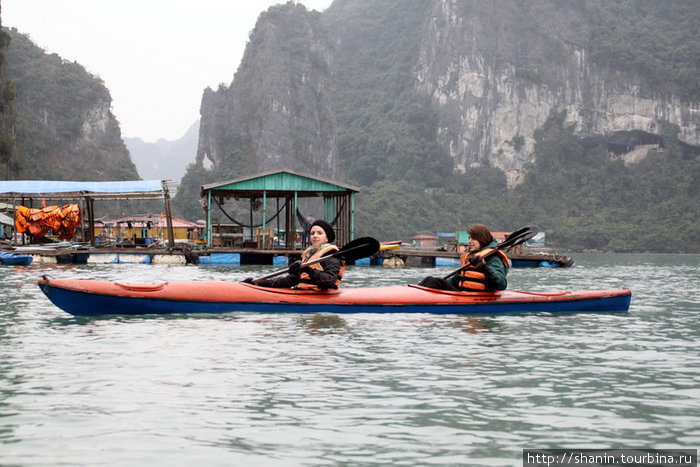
column 164, row 160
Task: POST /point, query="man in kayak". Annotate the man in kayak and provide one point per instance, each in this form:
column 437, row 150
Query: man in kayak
column 322, row 275
column 482, row 274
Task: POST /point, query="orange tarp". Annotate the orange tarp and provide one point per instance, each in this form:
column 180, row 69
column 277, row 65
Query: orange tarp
column 63, row 220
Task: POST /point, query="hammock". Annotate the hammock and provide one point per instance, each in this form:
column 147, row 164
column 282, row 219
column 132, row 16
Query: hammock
column 306, row 225
column 241, row 223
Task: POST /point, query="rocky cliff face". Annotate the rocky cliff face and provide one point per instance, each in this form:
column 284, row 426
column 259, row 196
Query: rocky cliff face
column 494, row 72
column 492, row 93
column 9, row 163
column 276, row 113
column 65, row 129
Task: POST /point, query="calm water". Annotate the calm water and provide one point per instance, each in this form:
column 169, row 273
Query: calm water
column 243, row 389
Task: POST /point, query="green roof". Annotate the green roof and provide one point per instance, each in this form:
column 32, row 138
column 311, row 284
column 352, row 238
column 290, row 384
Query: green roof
column 279, row 181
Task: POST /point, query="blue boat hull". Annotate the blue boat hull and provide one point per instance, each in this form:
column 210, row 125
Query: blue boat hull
column 15, row 259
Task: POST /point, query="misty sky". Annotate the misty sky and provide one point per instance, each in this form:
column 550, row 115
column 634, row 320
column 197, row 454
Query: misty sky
column 155, row 56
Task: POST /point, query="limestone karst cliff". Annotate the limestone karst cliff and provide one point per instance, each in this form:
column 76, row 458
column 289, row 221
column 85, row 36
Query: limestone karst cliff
column 582, row 117
column 276, row 113
column 344, row 89
column 9, row 163
column 496, row 72
column 65, row 129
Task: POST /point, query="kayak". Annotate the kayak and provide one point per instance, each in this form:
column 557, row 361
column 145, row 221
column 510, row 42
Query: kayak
column 394, row 245
column 15, row 259
column 82, row 297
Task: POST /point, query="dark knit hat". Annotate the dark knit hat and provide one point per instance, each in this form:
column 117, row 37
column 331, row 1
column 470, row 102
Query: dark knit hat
column 330, row 233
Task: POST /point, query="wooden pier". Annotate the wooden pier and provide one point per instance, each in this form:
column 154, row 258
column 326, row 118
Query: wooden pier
column 186, row 254
column 428, row 258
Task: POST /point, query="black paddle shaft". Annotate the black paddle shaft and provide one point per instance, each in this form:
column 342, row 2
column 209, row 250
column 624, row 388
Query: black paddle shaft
column 356, row 249
column 517, row 237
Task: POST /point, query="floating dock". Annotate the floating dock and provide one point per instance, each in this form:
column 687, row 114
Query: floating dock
column 433, row 258
column 185, row 254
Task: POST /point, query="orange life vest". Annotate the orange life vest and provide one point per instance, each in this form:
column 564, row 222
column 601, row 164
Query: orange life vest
column 473, row 280
column 61, row 220
column 304, row 279
column 22, row 219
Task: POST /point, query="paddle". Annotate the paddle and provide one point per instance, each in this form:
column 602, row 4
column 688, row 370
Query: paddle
column 356, row 249
column 517, row 237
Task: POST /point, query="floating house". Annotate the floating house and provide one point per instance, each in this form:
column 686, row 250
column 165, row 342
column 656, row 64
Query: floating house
column 282, row 189
column 424, row 241
column 146, row 229
column 27, row 193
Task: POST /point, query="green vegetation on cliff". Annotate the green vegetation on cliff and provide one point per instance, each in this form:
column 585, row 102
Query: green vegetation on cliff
column 64, row 128
column 574, row 191
column 577, row 192
column 656, row 40
column 585, row 199
column 387, row 133
column 9, row 163
column 385, row 130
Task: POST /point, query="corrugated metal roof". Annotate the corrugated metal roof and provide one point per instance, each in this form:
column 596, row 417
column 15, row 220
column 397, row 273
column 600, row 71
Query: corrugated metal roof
column 97, row 189
column 279, row 180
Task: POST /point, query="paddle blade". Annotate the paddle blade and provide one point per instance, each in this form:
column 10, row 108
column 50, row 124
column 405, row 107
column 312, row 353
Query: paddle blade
column 519, row 236
column 358, row 248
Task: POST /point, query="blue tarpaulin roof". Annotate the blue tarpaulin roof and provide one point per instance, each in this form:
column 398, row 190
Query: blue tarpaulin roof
column 98, row 189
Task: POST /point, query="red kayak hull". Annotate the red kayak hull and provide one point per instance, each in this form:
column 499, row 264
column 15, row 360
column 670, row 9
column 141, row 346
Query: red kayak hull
column 92, row 297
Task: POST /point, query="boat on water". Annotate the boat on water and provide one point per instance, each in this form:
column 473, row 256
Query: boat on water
column 82, row 297
column 15, row 259
column 539, row 260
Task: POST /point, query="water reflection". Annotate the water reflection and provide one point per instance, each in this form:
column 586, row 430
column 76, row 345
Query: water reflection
column 322, row 323
column 474, row 325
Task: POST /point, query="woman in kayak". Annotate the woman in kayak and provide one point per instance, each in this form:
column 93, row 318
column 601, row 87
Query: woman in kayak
column 482, row 274
column 322, row 275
